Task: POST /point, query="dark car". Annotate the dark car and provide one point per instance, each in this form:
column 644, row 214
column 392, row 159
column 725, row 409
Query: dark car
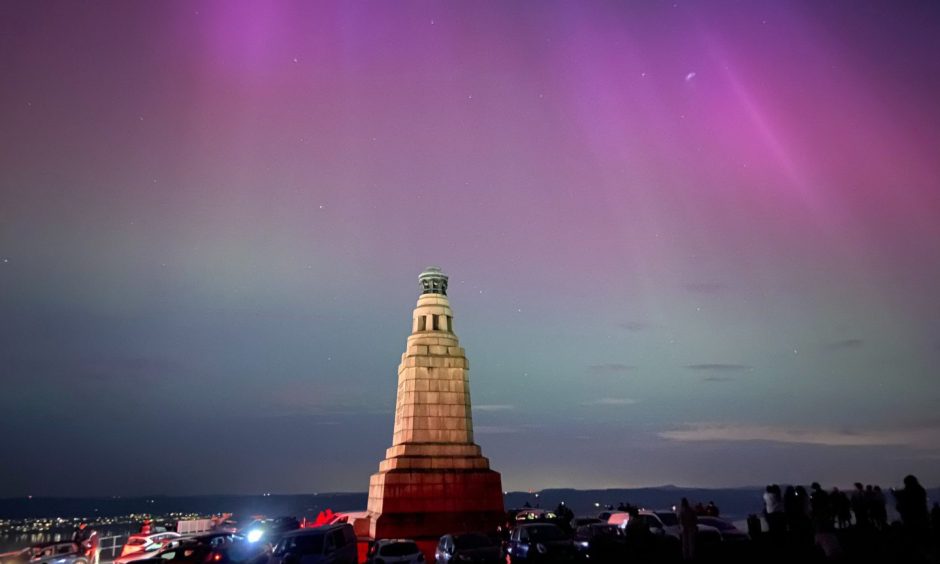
column 222, row 548
column 600, row 542
column 468, row 547
column 582, row 521
column 330, row 544
column 269, row 530
column 395, row 551
column 52, row 553
column 726, row 529
column 539, row 542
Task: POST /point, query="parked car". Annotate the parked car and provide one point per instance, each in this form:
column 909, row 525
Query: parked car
column 15, row 557
column 51, row 553
column 618, row 518
column 329, row 544
column 212, row 549
column 529, row 515
column 468, row 547
column 581, row 521
column 395, row 551
column 669, row 521
column 727, row 531
column 600, row 542
column 269, row 530
column 146, row 543
column 539, row 542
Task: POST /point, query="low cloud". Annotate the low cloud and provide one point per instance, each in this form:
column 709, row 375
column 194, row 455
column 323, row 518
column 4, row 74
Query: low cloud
column 917, row 437
column 635, row 325
column 493, row 407
column 611, row 368
column 718, row 379
column 611, row 401
column 844, row 344
column 718, row 367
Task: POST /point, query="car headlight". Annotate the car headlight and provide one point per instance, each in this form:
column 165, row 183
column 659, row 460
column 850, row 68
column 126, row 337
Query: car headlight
column 254, row 535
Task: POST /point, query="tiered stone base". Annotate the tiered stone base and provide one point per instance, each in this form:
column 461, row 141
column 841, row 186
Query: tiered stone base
column 425, row 504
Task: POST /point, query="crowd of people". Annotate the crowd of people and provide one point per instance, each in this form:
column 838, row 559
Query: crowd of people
column 829, row 520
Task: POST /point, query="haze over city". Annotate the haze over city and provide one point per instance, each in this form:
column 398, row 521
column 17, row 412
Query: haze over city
column 688, row 243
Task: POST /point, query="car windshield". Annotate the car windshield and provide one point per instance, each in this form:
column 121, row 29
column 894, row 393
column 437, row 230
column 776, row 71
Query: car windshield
column 542, row 534
column 668, row 519
column 472, row 541
column 399, row 549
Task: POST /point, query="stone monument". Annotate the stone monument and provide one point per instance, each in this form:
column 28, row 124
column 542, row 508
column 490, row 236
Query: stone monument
column 434, row 479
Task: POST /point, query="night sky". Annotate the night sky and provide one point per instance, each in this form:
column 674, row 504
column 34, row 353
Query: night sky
column 689, row 242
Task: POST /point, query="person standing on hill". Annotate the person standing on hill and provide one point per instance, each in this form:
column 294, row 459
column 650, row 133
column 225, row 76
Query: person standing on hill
column 879, row 514
column 773, row 511
column 820, row 508
column 935, row 519
column 87, row 540
column 860, row 505
column 912, row 504
column 688, row 529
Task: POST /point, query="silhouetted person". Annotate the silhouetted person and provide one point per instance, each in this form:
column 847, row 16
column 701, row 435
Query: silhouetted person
column 639, row 538
column 841, row 507
column 935, row 519
column 87, row 540
column 688, row 529
column 879, row 513
column 773, row 511
column 797, row 507
column 912, row 504
column 792, row 507
column 819, row 508
column 860, row 505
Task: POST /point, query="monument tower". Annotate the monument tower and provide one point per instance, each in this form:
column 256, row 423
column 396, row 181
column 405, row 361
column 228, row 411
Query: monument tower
column 434, row 479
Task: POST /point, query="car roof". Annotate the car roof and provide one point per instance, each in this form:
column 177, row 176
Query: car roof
column 392, row 541
column 315, row 530
column 532, row 525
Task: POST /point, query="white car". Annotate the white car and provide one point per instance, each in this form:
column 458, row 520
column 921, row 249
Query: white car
column 395, row 551
column 142, row 546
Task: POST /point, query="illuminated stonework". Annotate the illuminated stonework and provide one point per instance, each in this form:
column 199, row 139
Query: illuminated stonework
column 434, row 479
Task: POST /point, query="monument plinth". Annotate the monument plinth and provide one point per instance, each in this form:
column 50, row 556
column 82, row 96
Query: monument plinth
column 434, row 479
